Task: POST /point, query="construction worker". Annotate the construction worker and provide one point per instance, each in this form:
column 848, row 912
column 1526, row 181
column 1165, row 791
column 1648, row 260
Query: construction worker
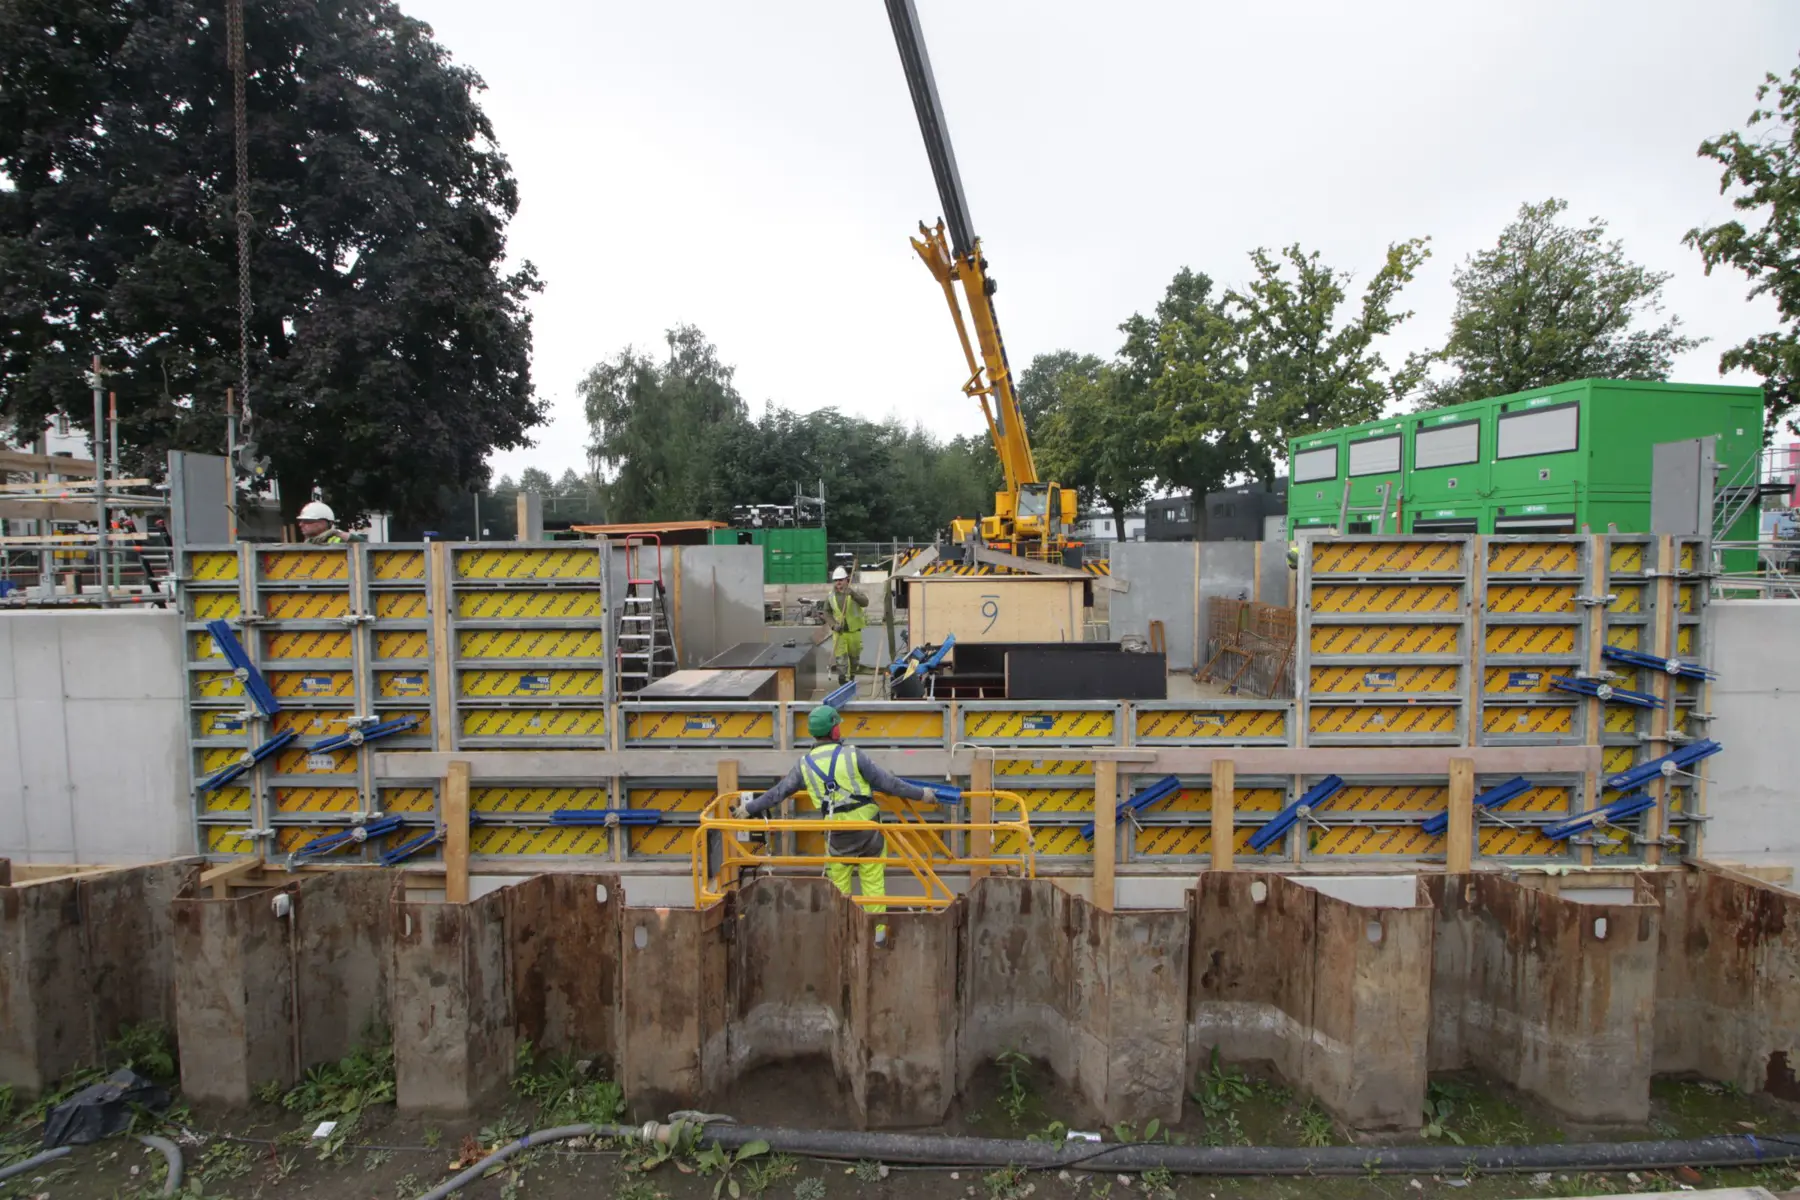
column 845, row 607
column 318, row 525
column 842, row 782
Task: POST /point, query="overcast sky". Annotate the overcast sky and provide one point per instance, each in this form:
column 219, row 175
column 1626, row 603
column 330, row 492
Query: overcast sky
column 753, row 167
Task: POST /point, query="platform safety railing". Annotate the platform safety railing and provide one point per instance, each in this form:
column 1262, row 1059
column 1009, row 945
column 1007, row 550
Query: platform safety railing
column 728, row 849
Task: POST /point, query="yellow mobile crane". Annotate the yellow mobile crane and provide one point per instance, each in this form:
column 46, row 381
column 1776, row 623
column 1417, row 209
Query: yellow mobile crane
column 1031, row 517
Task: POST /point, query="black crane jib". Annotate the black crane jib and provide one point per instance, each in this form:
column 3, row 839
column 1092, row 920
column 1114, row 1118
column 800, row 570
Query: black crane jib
column 917, row 64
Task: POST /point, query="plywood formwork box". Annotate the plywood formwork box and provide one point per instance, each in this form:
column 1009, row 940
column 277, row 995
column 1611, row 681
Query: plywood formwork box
column 996, row 608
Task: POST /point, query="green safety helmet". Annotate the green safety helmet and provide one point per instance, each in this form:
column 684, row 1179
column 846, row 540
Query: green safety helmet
column 821, row 720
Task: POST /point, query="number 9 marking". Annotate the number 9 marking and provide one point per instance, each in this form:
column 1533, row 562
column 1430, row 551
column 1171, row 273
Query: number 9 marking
column 990, row 608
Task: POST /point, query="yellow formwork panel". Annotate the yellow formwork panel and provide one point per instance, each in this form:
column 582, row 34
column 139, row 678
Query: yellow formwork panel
column 1192, row 840
column 311, row 762
column 211, row 723
column 303, row 566
column 402, row 643
column 1528, row 720
column 401, row 606
column 309, row 643
column 532, row 642
column 1613, row 843
column 1614, row 759
column 677, row 841
column 201, row 647
column 1533, row 558
column 515, row 562
column 1046, row 724
column 214, row 606
column 1632, row 637
column 1058, row 800
column 1391, row 797
column 1531, row 639
column 879, row 725
column 1627, row 557
column 533, row 722
column 1685, row 598
column 1199, row 799
column 1047, row 768
column 1408, row 840
column 226, row 800
column 539, row 839
column 1386, row 639
column 311, row 685
column 1382, row 720
column 397, row 566
column 217, row 685
column 225, row 839
column 1546, row 799
column 1361, row 558
column 402, row 685
column 1387, row 598
column 407, row 800
column 670, row 799
column 1626, row 598
column 1520, row 681
column 551, row 681
column 1363, row 680
column 1688, row 554
column 530, row 606
column 534, row 799
column 317, row 800
column 306, row 606
column 1622, row 718
column 1498, row 841
column 311, row 722
column 699, row 725
column 1532, row 598
column 1208, row 724
column 212, row 566
column 1064, row 840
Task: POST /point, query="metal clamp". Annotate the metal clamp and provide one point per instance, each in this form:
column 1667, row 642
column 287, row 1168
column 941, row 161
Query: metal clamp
column 355, row 619
column 1596, row 601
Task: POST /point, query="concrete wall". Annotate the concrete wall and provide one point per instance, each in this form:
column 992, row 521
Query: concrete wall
column 93, row 748
column 1755, row 646
column 1162, row 577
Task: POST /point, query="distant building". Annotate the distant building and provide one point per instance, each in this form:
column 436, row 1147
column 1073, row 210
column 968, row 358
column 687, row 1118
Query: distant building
column 1236, row 514
column 1100, row 527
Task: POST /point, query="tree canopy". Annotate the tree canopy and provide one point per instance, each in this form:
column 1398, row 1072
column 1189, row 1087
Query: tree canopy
column 390, row 345
column 1549, row 303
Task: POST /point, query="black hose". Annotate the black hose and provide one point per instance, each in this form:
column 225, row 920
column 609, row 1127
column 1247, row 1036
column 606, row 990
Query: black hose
column 36, row 1160
column 172, row 1155
column 1726, row 1150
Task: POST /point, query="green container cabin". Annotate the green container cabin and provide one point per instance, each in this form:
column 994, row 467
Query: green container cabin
column 789, row 555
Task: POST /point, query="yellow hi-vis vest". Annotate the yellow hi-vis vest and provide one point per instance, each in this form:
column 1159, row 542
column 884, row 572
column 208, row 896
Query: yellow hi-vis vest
column 833, row 780
column 845, row 611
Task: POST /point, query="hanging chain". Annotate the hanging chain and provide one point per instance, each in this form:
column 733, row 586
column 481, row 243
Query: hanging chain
column 234, row 30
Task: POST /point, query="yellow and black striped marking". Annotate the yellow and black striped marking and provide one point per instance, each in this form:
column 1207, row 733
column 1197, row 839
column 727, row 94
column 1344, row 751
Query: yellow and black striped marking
column 526, row 685
column 1377, row 720
column 214, row 606
column 1519, row 681
column 1209, row 724
column 534, row 722
column 212, row 566
column 1522, row 720
column 1386, row 639
column 1043, row 768
column 1361, row 558
column 1535, row 598
column 529, row 606
column 311, row 762
column 1396, row 797
column 677, row 841
column 1373, row 839
column 217, row 685
column 1387, row 598
column 1047, row 724
column 699, row 725
column 1497, row 841
column 539, row 839
column 311, row 685
column 306, row 606
column 1530, row 639
column 226, row 799
column 317, row 800
column 1065, row 840
column 1364, row 680
column 1533, row 558
column 1097, row 566
column 408, row 800
column 304, row 566
column 511, row 563
column 401, row 685
column 877, row 726
column 532, row 642
column 1187, row 841
column 401, row 606
column 307, row 644
column 535, row 799
column 394, row 566
column 1199, row 799
column 1627, row 557
column 670, row 799
column 402, row 643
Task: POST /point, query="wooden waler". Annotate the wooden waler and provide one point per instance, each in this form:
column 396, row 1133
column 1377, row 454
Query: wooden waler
column 1245, row 633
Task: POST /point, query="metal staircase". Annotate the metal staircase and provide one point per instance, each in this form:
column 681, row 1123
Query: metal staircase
column 643, row 639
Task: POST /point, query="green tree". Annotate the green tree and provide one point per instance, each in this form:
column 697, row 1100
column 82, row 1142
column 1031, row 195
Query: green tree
column 1092, row 427
column 390, row 347
column 1549, row 303
column 535, row 479
column 1763, row 167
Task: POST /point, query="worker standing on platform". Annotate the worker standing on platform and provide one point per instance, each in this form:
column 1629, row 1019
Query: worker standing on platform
column 845, row 607
column 842, row 782
column 318, row 525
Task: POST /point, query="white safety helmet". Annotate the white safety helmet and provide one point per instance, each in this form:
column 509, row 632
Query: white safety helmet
column 317, row 510
column 838, row 574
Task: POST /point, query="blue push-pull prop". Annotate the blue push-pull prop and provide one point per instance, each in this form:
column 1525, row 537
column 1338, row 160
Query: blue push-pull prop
column 250, row 758
column 407, row 849
column 357, row 737
column 1668, row 666
column 354, row 836
column 1162, row 789
column 946, row 793
column 842, row 696
column 1284, row 820
column 1669, row 764
column 255, row 686
column 1607, row 693
column 1608, row 814
column 607, row 816
column 921, row 659
column 1494, row 797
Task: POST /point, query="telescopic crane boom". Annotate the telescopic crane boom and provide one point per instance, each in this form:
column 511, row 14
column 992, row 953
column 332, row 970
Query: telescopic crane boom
column 1030, row 516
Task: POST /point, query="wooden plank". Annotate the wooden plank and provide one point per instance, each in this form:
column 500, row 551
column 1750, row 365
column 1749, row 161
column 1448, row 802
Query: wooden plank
column 917, row 563
column 456, row 833
column 995, row 608
column 981, row 811
column 1666, row 564
column 443, row 647
column 83, row 488
column 1224, row 809
column 1459, row 839
column 727, row 776
column 46, row 464
column 221, row 877
column 1106, row 833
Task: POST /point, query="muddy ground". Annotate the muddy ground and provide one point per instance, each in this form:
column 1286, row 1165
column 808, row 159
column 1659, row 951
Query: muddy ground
column 269, row 1151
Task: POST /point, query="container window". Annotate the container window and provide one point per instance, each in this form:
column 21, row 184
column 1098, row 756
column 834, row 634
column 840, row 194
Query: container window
column 1447, row 445
column 1538, row 431
column 1311, row 465
column 1375, row 456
